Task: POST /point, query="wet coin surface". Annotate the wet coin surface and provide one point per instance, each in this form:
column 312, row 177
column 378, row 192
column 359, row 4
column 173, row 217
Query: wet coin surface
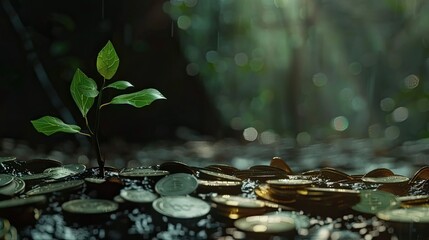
column 176, row 184
column 142, row 173
column 372, row 202
column 211, row 175
column 386, row 180
column 138, row 195
column 181, row 207
column 36, row 176
column 13, row 188
column 5, row 179
column 89, row 206
column 315, row 191
column 237, row 201
column 54, row 187
column 289, row 183
column 406, row 215
column 59, row 172
column 75, row 167
column 266, row 224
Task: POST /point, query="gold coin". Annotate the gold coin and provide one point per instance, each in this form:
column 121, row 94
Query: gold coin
column 314, row 191
column 379, row 172
column 266, row 224
column 237, row 201
column 263, row 191
column 286, row 183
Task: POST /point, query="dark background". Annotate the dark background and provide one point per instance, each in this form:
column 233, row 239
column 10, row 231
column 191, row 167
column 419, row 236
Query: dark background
column 66, row 35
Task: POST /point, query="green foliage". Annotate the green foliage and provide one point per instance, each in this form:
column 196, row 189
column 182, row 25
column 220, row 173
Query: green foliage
column 120, row 85
column 138, row 99
column 84, row 90
column 107, row 61
column 49, row 125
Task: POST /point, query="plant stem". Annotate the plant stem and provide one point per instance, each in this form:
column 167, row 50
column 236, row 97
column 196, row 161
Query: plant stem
column 100, row 159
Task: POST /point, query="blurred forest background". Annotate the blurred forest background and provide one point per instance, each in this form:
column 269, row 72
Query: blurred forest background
column 259, row 70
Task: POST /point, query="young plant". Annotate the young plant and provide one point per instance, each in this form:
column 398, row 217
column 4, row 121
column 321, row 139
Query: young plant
column 85, row 92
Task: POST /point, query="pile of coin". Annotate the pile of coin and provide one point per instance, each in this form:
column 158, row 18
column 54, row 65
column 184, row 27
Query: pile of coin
column 262, row 201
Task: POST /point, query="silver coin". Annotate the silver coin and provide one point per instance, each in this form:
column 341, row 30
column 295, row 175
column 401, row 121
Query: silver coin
column 142, row 172
column 17, row 202
column 405, row 215
column 138, row 195
column 89, row 206
column 36, row 176
column 54, row 187
column 5, row 179
column 60, row 172
column 301, row 221
column 386, row 180
column 181, row 207
column 219, row 176
column 237, row 201
column 265, row 224
column 176, row 184
column 75, row 167
column 15, row 187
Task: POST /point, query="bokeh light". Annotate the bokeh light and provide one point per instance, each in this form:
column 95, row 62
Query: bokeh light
column 340, row 123
column 250, row 134
column 400, row 114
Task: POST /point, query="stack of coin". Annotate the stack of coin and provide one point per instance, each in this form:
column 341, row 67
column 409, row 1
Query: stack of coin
column 234, row 207
column 175, row 201
column 395, row 184
column 283, row 190
column 326, row 201
column 286, row 189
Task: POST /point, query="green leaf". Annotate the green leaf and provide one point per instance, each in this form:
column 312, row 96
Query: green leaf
column 107, row 61
column 138, row 99
column 49, row 125
column 121, row 85
column 83, row 90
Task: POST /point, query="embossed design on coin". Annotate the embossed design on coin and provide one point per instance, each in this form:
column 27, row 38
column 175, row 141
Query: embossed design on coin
column 181, row 206
column 176, row 184
column 138, row 195
column 5, row 179
column 15, row 187
column 374, row 201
